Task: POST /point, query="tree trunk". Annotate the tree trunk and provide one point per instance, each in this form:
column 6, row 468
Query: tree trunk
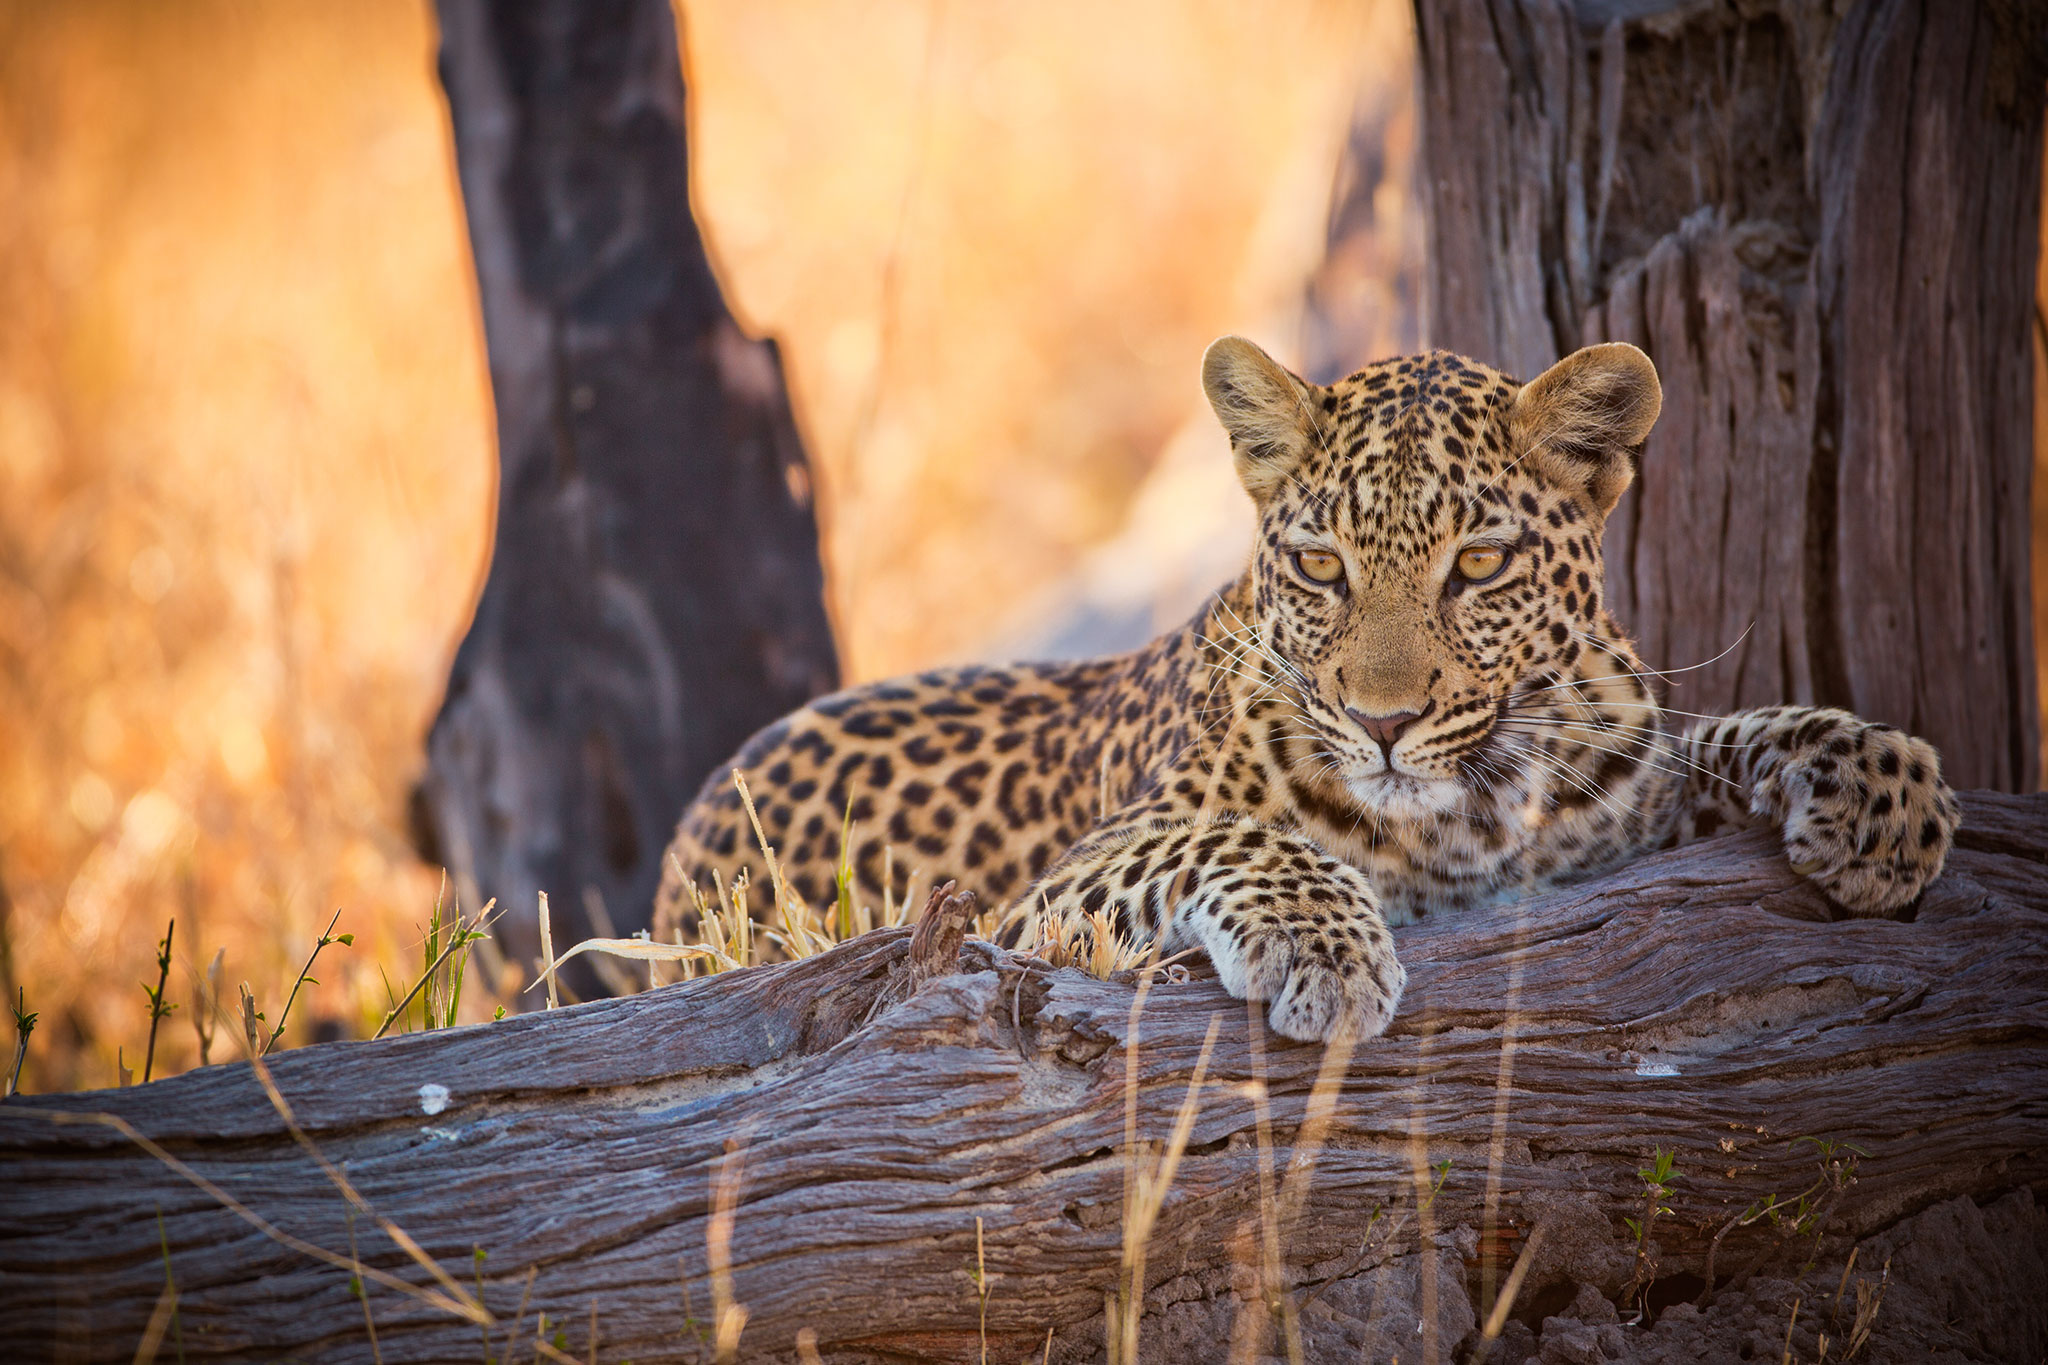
column 1821, row 221
column 863, row 1112
column 655, row 592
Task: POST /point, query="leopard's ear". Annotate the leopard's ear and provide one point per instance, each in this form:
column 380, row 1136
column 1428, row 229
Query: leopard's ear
column 1581, row 423
column 1265, row 409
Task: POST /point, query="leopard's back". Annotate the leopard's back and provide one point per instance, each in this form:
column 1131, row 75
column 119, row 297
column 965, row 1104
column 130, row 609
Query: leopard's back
column 977, row 774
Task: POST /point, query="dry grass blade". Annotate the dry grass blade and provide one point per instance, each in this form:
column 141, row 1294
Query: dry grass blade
column 609, row 972
column 729, row 1319
column 640, row 950
column 256, row 1220
column 362, row 1293
column 1145, row 1190
column 519, row 1317
column 1425, row 1202
column 782, row 896
column 1868, row 1302
column 1496, row 1150
column 1841, row 1286
column 1315, row 1128
column 1497, row 1319
column 1273, row 1298
column 981, row 1285
column 547, row 954
column 159, row 1323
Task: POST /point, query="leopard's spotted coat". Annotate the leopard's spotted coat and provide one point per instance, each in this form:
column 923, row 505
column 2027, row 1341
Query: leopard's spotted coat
column 1249, row 781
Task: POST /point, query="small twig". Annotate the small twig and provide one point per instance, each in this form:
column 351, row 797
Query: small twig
column 157, row 1008
column 252, row 1028
column 24, row 1025
column 346, row 940
column 1792, row 1229
column 1713, row 1253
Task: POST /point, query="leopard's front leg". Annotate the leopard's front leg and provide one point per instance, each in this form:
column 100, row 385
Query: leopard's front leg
column 1862, row 806
column 1283, row 921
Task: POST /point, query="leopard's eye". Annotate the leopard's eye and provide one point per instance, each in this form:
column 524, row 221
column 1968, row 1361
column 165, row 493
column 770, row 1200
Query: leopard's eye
column 1319, row 566
column 1481, row 563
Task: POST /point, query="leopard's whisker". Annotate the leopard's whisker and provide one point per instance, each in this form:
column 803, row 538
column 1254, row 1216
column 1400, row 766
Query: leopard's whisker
column 1635, row 665
column 1645, row 760
column 1606, row 724
column 1557, row 767
column 1258, row 642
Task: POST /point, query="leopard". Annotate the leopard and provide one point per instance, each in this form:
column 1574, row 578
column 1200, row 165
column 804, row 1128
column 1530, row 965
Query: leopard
column 1412, row 702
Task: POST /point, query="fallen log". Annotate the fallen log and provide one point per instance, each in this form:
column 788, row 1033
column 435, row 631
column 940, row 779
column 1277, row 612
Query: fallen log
column 888, row 1146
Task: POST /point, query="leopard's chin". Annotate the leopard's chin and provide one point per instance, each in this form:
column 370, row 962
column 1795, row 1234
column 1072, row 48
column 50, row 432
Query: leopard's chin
column 1403, row 795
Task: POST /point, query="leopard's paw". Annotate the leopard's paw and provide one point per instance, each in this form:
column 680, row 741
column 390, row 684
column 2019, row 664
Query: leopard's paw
column 1323, row 969
column 1866, row 815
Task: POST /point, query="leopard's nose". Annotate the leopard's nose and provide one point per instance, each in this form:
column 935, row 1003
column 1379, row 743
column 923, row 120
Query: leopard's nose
column 1386, row 731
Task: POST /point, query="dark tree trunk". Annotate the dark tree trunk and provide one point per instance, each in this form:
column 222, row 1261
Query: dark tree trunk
column 865, row 1110
column 655, row 592
column 1821, row 222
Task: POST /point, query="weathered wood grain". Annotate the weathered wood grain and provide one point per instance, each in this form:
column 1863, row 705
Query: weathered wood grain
column 1699, row 1000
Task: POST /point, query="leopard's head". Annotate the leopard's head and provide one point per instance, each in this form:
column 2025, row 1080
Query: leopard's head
column 1429, row 549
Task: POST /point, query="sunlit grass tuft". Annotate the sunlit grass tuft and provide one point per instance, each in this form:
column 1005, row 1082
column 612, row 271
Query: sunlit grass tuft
column 730, row 934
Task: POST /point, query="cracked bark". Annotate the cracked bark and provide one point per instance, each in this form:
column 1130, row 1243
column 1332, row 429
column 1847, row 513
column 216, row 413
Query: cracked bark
column 655, row 592
column 1729, row 1020
column 1821, row 222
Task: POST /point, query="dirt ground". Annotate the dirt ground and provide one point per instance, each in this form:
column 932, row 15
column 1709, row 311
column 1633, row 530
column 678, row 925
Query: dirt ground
column 1959, row 1283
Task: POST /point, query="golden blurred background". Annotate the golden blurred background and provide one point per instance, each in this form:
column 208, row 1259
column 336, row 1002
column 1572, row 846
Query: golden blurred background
column 246, row 456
